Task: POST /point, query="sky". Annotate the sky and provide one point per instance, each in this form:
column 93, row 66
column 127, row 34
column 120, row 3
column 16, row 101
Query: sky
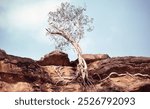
column 121, row 27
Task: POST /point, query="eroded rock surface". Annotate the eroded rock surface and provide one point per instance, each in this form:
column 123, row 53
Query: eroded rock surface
column 15, row 69
column 106, row 74
column 89, row 58
column 55, row 58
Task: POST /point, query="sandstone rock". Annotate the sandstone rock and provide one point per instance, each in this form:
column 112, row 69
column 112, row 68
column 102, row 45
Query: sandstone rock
column 16, row 69
column 106, row 74
column 2, row 54
column 15, row 87
column 132, row 65
column 124, row 83
column 94, row 57
column 55, row 58
column 89, row 58
column 59, row 74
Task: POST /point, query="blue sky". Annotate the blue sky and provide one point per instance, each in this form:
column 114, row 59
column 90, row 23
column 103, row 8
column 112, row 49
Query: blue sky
column 121, row 27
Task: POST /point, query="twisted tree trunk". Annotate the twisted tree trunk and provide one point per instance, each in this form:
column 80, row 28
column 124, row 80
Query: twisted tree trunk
column 82, row 66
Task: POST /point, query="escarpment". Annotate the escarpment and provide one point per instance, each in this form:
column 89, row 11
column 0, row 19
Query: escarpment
column 56, row 73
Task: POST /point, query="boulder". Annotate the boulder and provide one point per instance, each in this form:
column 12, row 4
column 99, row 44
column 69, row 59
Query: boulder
column 94, row 57
column 89, row 58
column 55, row 58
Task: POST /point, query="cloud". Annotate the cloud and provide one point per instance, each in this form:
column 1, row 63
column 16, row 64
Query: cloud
column 30, row 14
column 28, row 18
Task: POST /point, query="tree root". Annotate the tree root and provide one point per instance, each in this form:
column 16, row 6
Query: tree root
column 127, row 73
column 58, row 72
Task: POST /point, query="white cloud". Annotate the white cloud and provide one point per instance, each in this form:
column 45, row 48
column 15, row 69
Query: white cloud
column 32, row 14
column 30, row 18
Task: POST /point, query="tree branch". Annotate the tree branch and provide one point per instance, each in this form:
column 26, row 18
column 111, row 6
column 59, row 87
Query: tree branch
column 54, row 33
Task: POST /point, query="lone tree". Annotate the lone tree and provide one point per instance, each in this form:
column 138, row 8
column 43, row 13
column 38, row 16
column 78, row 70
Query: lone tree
column 66, row 27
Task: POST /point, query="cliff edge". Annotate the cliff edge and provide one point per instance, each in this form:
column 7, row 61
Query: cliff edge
column 55, row 73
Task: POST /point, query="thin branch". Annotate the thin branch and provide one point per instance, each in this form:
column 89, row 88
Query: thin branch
column 54, row 33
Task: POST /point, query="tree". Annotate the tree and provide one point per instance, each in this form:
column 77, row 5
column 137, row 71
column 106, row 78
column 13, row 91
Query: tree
column 67, row 26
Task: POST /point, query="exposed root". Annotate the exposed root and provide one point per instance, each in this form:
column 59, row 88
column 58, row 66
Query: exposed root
column 127, row 73
column 115, row 74
column 142, row 75
column 87, row 83
column 59, row 73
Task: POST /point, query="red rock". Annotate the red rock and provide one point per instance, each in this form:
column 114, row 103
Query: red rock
column 94, row 57
column 89, row 58
column 2, row 54
column 55, row 58
column 106, row 74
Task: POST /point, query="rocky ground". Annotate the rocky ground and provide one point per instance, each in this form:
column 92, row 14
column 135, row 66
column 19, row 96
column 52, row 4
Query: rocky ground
column 55, row 73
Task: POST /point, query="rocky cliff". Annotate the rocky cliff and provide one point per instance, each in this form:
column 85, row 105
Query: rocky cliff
column 55, row 73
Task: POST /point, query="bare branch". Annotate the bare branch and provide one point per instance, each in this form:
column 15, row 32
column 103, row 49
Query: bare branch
column 54, row 33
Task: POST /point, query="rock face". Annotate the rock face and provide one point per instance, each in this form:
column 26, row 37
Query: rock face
column 16, row 70
column 55, row 58
column 2, row 54
column 94, row 57
column 120, row 65
column 121, row 74
column 89, row 58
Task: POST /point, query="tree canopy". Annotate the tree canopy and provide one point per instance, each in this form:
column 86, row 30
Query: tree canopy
column 68, row 20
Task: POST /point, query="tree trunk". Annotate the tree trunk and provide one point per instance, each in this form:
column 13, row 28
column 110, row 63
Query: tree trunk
column 82, row 66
